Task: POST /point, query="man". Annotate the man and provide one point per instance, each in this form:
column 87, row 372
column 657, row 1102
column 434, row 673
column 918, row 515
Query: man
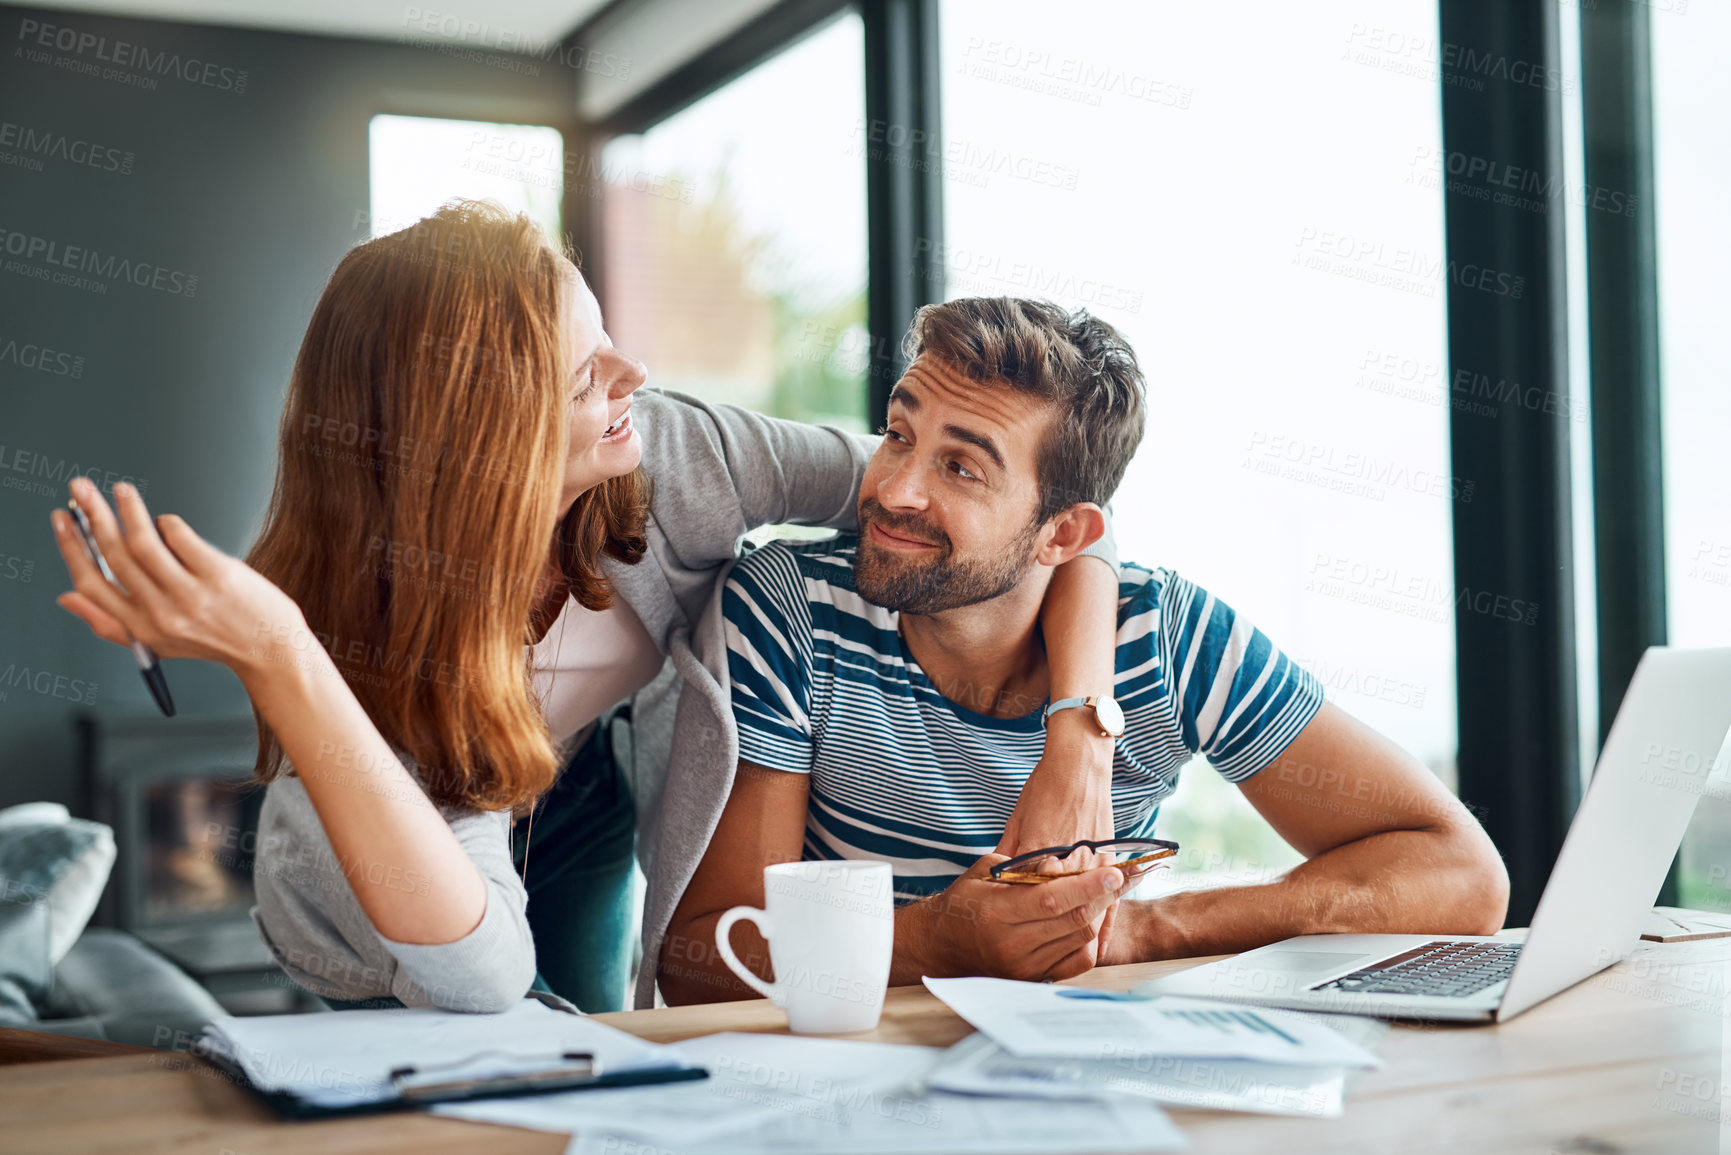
column 891, row 689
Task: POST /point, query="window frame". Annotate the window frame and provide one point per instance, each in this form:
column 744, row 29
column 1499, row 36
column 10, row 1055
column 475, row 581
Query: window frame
column 1519, row 697
column 1622, row 267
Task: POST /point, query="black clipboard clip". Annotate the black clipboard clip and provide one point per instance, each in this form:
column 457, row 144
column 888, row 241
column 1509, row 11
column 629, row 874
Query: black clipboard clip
column 578, row 1069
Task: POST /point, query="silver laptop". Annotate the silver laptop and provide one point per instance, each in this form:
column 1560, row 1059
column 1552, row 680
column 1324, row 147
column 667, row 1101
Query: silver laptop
column 1654, row 767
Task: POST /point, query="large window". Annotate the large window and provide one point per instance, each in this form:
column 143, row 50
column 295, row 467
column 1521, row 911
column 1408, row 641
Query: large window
column 734, row 237
column 1691, row 170
column 1273, row 250
column 417, row 163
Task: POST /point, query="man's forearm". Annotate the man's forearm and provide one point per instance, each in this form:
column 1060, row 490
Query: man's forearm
column 690, row 969
column 919, row 939
column 1398, row 881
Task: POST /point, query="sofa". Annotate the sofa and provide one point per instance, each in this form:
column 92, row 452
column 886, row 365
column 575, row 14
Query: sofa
column 59, row 976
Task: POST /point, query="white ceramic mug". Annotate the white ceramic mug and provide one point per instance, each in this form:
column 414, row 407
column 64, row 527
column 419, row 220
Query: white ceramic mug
column 831, row 927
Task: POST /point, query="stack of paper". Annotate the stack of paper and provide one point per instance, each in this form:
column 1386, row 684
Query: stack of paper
column 815, row 1096
column 344, row 1059
column 1056, row 1043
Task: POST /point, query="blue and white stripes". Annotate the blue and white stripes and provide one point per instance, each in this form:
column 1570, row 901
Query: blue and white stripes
column 823, row 685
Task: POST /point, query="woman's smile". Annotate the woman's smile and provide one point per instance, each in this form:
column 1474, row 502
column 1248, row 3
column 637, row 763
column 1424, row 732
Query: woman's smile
column 621, row 430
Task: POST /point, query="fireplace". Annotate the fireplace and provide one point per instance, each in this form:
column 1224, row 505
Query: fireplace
column 179, row 795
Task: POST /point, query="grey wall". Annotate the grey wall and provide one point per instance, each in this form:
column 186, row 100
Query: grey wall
column 254, row 185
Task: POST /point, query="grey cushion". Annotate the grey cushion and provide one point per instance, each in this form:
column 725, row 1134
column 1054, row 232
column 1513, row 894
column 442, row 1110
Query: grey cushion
column 48, row 856
column 25, row 970
column 112, row 986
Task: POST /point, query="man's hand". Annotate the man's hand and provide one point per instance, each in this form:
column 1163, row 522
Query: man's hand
column 980, row 927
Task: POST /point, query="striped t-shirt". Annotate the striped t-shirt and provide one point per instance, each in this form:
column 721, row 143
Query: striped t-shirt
column 824, row 685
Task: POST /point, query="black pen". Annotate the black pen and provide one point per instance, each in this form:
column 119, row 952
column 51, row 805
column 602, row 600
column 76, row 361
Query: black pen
column 148, row 663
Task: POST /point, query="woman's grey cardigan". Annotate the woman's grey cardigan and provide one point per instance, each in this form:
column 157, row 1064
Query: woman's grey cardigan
column 718, row 472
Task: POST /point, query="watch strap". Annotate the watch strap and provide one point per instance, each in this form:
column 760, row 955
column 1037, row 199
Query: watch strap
column 1064, row 704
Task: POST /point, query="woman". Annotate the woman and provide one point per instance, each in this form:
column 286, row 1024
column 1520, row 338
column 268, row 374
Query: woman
column 456, row 407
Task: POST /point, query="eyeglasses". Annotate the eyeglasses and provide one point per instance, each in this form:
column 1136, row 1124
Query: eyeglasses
column 1147, row 854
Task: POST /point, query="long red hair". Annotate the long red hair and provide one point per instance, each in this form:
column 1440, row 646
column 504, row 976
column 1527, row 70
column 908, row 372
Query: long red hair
column 419, row 474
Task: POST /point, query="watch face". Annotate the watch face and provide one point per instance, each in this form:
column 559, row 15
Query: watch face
column 1110, row 715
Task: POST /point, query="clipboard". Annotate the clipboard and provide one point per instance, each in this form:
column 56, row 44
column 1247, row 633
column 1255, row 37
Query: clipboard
column 575, row 1071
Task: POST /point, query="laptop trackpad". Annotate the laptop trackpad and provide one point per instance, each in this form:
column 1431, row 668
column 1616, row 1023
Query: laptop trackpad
column 1304, row 962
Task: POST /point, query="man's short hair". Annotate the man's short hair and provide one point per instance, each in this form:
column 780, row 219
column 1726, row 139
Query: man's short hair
column 1073, row 361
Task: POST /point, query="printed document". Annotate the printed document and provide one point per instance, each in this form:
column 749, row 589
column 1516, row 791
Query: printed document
column 815, row 1096
column 1046, row 1020
column 978, row 1066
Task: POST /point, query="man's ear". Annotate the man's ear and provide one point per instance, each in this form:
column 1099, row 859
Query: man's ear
column 1073, row 531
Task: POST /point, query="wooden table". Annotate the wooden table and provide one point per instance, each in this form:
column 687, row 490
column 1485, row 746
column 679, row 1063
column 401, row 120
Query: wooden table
column 1629, row 1061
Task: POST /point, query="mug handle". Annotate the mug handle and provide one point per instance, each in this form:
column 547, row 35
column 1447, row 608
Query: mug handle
column 765, row 927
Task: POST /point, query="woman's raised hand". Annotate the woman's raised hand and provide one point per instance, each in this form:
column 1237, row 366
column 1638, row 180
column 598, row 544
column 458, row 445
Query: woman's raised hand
column 184, row 598
column 176, row 593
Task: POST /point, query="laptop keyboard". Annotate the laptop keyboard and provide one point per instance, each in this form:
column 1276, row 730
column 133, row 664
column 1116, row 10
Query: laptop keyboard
column 1443, row 968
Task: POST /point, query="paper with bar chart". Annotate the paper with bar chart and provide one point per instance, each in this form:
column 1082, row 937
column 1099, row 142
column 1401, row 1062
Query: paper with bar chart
column 1049, row 1021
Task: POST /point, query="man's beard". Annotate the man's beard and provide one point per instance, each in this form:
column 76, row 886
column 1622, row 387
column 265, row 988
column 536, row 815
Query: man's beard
column 885, row 578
